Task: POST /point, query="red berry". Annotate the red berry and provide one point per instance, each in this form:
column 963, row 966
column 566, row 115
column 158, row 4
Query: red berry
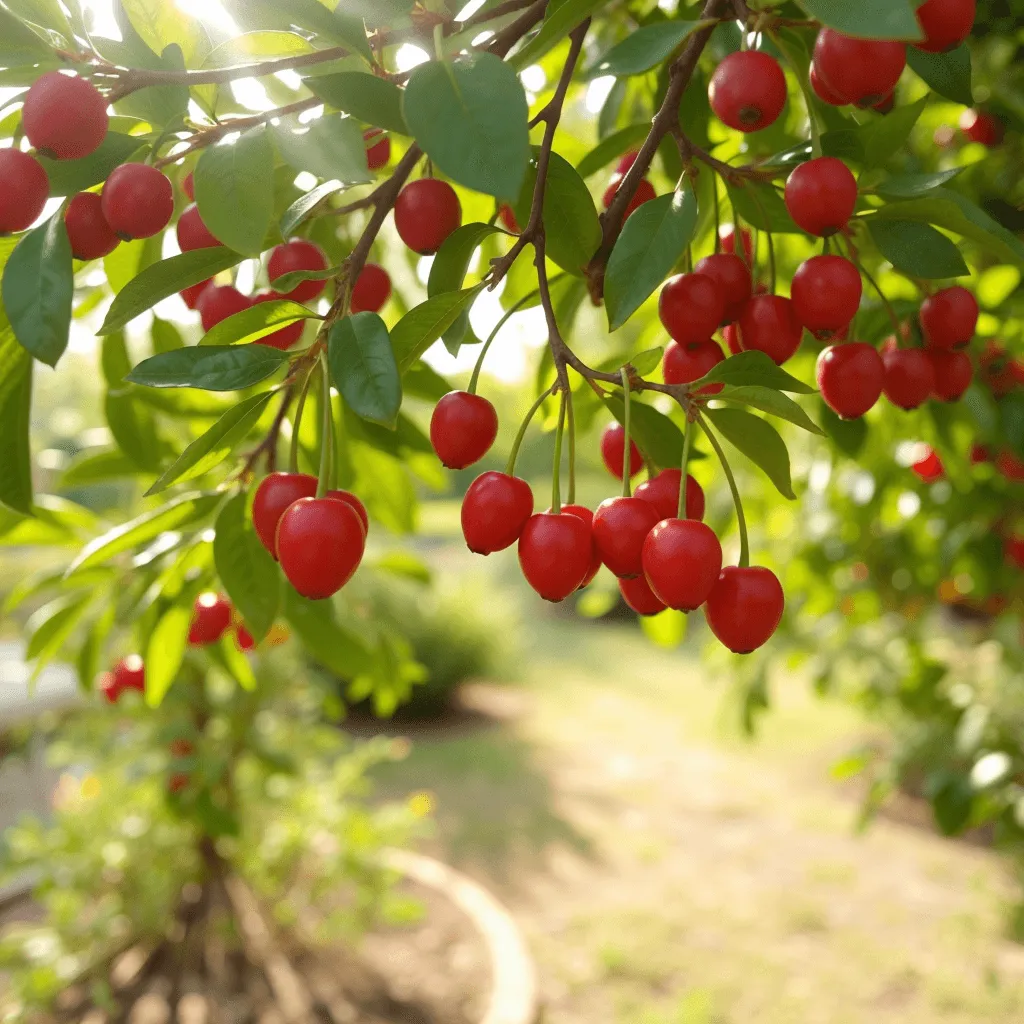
column 826, row 293
column 108, row 687
column 638, row 595
column 682, row 560
column 462, row 429
column 244, row 638
column 555, row 553
column 953, row 373
column 621, row 526
column 949, row 318
column 1015, row 551
column 295, row 255
column 745, row 607
column 352, row 499
column 850, row 378
column 371, row 290
column 24, row 189
column 130, row 674
column 64, row 117
column 192, row 232
column 909, row 377
column 980, row 455
column 273, row 496
column 426, row 213
column 584, row 513
column 982, row 128
column 727, row 236
column 929, row 467
column 663, row 493
column 861, row 71
column 1001, row 374
column 177, row 783
column 508, row 218
column 188, row 186
column 218, row 302
column 211, row 618
column 644, row 194
column 320, row 543
column 822, row 91
column 191, row 295
column 626, row 161
column 138, row 201
column 691, row 307
column 748, row 90
column 613, row 451
column 286, row 336
column 731, row 334
column 945, row 23
column 1011, row 466
column 733, row 278
column 377, row 153
column 821, row 195
column 683, row 364
column 90, row 235
column 769, row 324
column 494, row 512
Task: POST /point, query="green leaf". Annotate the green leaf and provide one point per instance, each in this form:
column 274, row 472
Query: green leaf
column 376, row 13
column 247, row 570
column 38, row 288
column 209, row 368
column 910, row 186
column 340, row 650
column 647, row 361
column 645, row 48
column 45, row 13
column 470, row 118
column 365, row 97
column 759, row 204
column 15, row 411
column 304, row 205
column 134, row 429
column 775, row 403
column 867, row 19
column 363, row 367
column 262, row 45
column 306, row 14
column 332, row 147
column 653, row 239
column 611, row 148
column 234, row 187
column 655, row 434
column 560, row 21
column 886, row 136
column 70, row 176
column 288, row 282
column 753, row 369
column 917, row 249
column 158, row 105
column 165, row 652
column 160, row 24
column 19, row 45
column 425, row 323
column 50, row 627
column 99, row 467
column 257, row 322
column 949, row 74
column 759, row 441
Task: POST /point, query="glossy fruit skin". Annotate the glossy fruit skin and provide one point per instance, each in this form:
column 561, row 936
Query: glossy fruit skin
column 555, row 553
column 494, row 512
column 129, row 674
column 190, row 296
column 188, row 186
column 748, row 90
column 426, row 213
column 822, row 90
column 691, row 307
column 850, row 378
column 298, row 254
column 275, row 494
column 682, row 560
column 638, row 595
column 953, row 373
column 826, row 293
column 90, row 235
column 768, row 324
column 192, row 233
column 320, row 543
column 462, row 429
column 371, row 290
column 861, row 71
column 945, row 23
column 507, row 216
column 683, row 364
column 821, row 196
column 286, row 336
column 138, row 201
column 727, row 236
column 663, row 493
column 929, row 468
column 981, row 127
column 64, row 117
column 584, row 513
column 644, row 194
column 620, row 528
column 909, row 377
column 613, row 451
column 24, row 189
column 211, row 618
column 218, row 302
column 733, row 278
column 731, row 335
column 949, row 318
column 378, row 154
column 355, row 502
column 745, row 608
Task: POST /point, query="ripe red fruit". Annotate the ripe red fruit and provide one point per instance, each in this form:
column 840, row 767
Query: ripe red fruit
column 352, row 499
column 211, row 618
column 979, row 455
column 644, row 194
column 929, row 467
column 298, row 254
column 821, row 195
column 377, row 153
column 275, row 494
column 371, row 290
column 90, row 235
column 626, row 161
column 620, row 528
column 822, row 90
column 683, row 364
column 188, row 186
column 426, row 213
column 949, row 318
column 192, row 233
column 320, row 543
column 191, row 295
column 638, row 595
column 24, row 189
column 218, row 302
column 286, row 336
column 850, row 378
column 691, row 307
column 682, row 559
column 138, row 201
column 64, row 117
column 909, row 377
column 494, row 512
column 953, row 373
column 613, row 451
column 584, row 513
column 244, row 639
column 177, row 783
column 508, row 218
column 945, row 24
column 731, row 334
column 727, row 236
column 555, row 553
column 981, row 127
column 748, row 90
column 861, row 71
column 462, row 429
column 1011, row 466
column 826, row 294
column 130, row 674
column 733, row 278
column 769, row 325
column 745, row 607
column 663, row 493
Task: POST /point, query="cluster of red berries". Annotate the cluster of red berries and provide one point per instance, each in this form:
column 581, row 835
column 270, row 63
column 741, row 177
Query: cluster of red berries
column 644, row 191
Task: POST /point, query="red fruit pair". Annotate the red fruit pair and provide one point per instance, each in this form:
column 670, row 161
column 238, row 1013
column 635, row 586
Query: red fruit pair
column 371, row 290
column 861, row 71
column 981, row 127
column 748, row 90
column 218, row 302
column 426, row 213
column 821, row 196
column 909, row 377
column 621, row 526
column 850, row 377
column 745, row 607
column 683, row 364
column 644, row 194
column 138, row 201
column 769, row 324
column 733, row 278
column 298, row 254
column 691, row 307
column 211, row 619
column 682, row 560
column 555, row 553
column 613, row 451
column 949, row 318
column 826, row 293
column 494, row 512
column 320, row 543
column 24, row 189
column 945, row 24
column 64, row 117
column 462, row 429
column 128, row 674
column 663, row 493
column 90, row 235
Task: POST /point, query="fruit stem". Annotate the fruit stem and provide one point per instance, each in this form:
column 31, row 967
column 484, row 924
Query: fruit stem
column 687, row 445
column 874, row 284
column 627, row 462
column 771, row 243
column 741, row 519
column 801, row 81
column 293, row 455
column 510, row 466
column 326, row 441
column 571, row 416
column 556, row 483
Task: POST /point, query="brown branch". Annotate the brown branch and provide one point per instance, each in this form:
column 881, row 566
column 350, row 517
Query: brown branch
column 511, row 34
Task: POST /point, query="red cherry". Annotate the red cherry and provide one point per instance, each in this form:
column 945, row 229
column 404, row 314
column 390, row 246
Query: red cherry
column 108, row 687
column 244, row 638
column 64, row 117
column 621, row 526
column 682, row 560
column 90, row 235
column 731, row 334
column 508, row 218
column 663, row 493
column 320, row 543
column 980, row 455
column 929, row 467
column 733, row 278
column 555, row 553
column 462, row 429
column 494, row 512
column 24, row 189
column 981, row 127
column 138, row 201
column 371, row 290
column 353, row 499
column 748, row 90
column 909, row 377
column 638, row 595
column 826, row 294
column 691, row 307
column 298, row 254
column 850, row 378
column 949, row 318
column 584, row 513
column 273, row 496
column 130, row 674
column 644, row 194
column 218, row 302
column 683, row 364
column 1001, row 374
column 377, row 153
column 286, row 336
column 1011, row 466
column 211, row 618
column 188, row 186
column 861, row 71
column 626, row 161
column 426, row 213
column 191, row 295
column 945, row 23
column 613, row 451
column 192, row 232
column 727, row 236
column 953, row 373
column 769, row 324
column 821, row 195
column 745, row 607
column 822, row 91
